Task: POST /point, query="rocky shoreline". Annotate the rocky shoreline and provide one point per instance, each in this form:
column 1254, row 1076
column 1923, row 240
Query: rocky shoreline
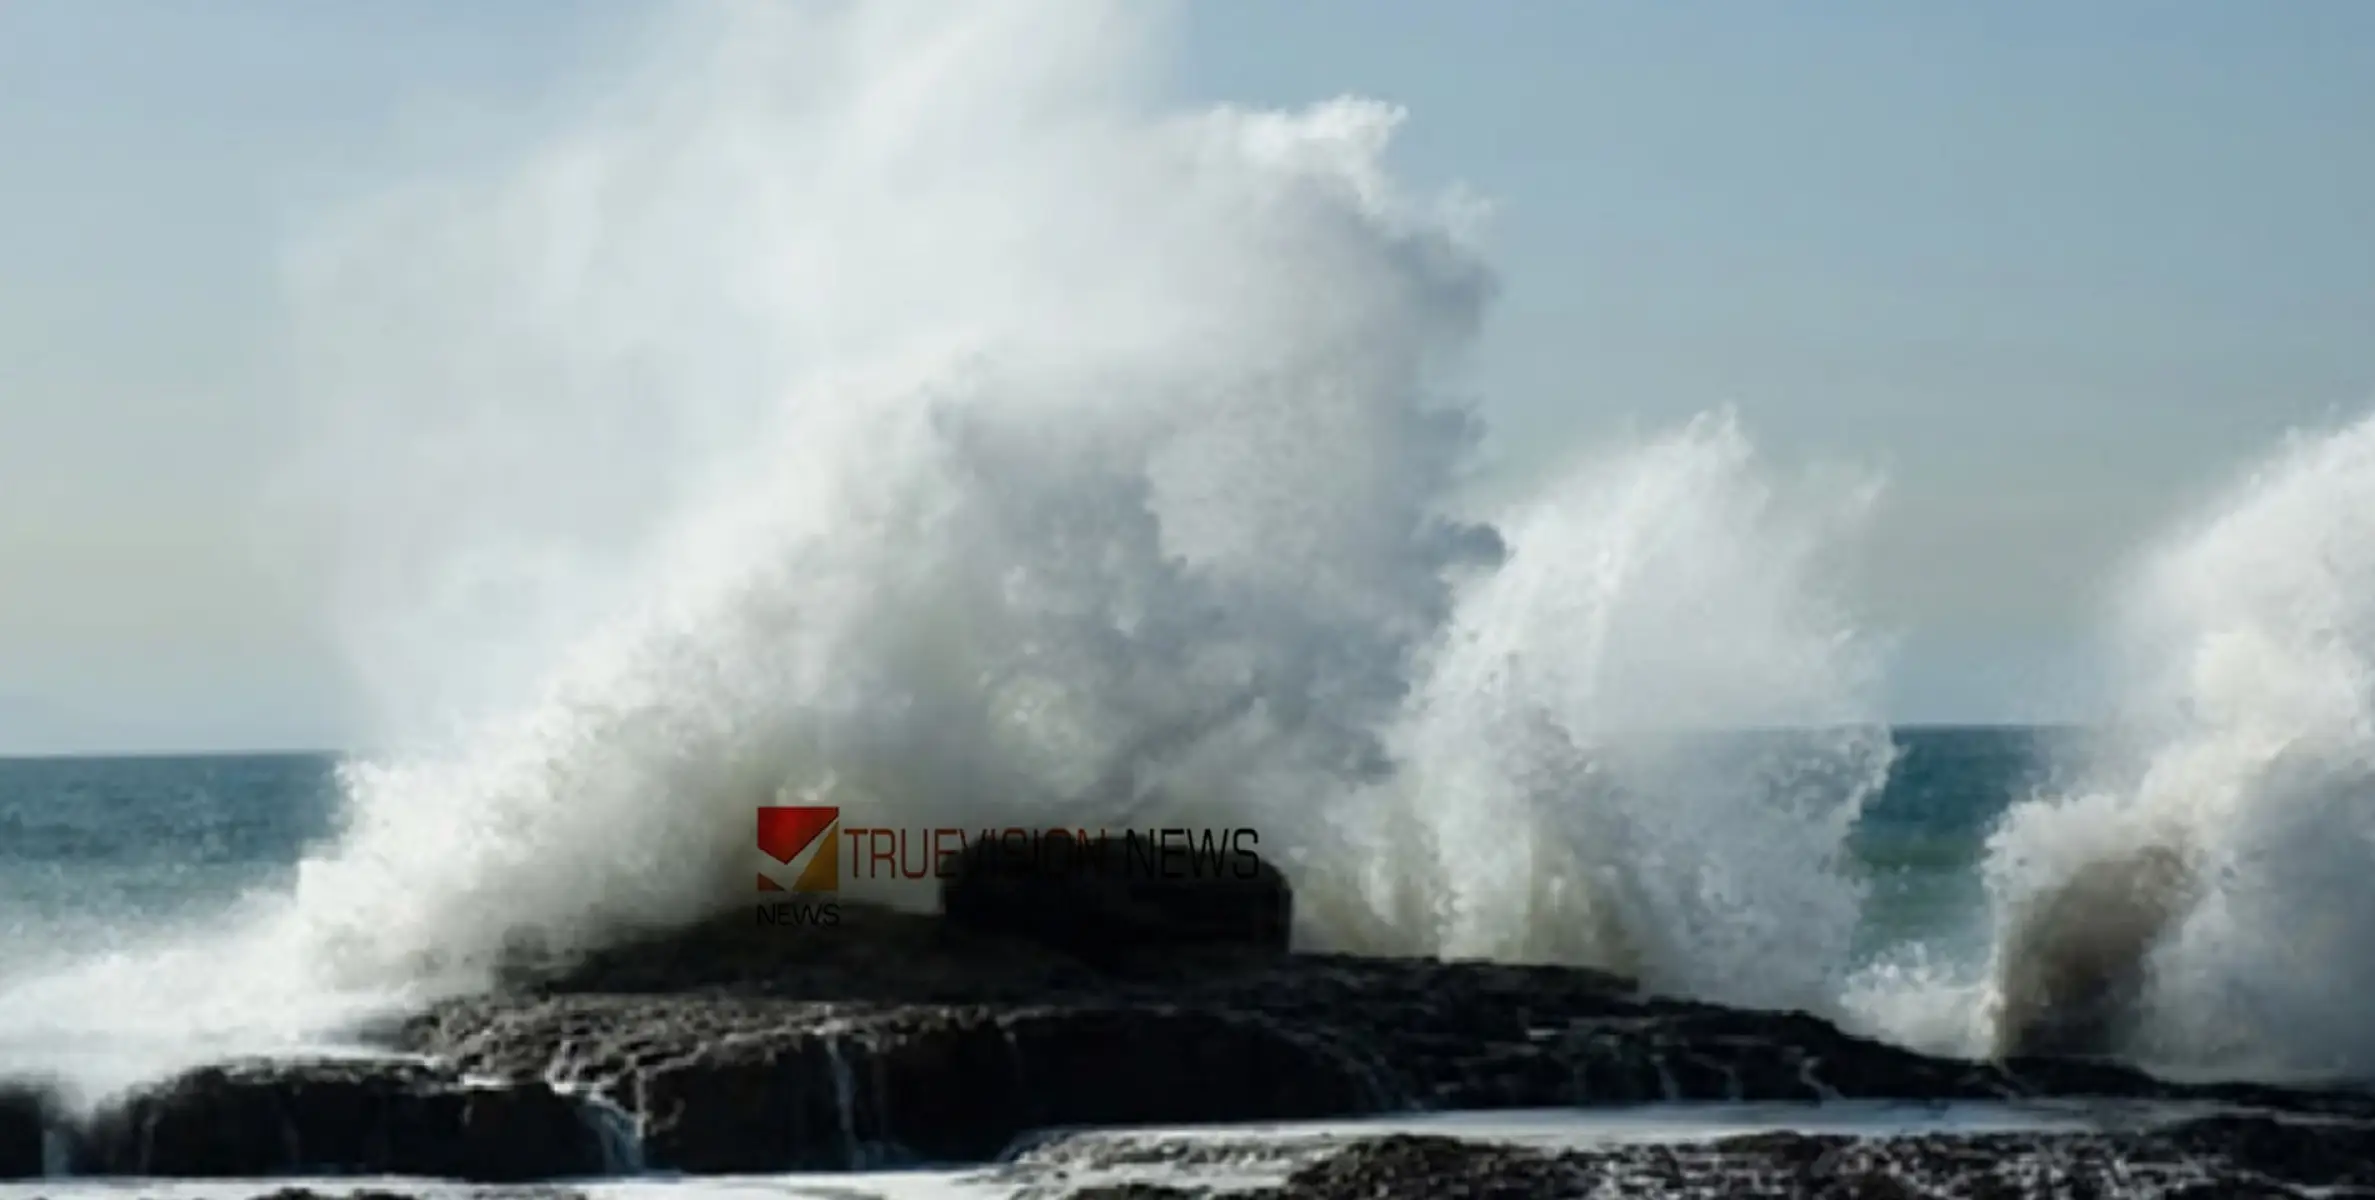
column 2222, row 1158
column 898, row 1039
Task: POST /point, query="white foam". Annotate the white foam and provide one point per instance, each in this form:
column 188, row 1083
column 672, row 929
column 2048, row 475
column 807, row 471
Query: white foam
column 2245, row 749
column 1575, row 753
column 906, row 408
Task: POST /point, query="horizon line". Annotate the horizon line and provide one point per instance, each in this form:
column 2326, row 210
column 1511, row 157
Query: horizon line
column 152, row 754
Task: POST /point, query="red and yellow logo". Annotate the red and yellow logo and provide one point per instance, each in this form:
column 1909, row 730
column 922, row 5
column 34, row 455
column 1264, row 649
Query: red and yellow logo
column 787, row 831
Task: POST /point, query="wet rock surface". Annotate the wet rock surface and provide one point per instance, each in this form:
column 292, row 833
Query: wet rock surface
column 2210, row 1159
column 1104, row 899
column 370, row 1193
column 2233, row 1157
column 893, row 1039
column 778, row 1049
column 24, row 1120
column 292, row 1118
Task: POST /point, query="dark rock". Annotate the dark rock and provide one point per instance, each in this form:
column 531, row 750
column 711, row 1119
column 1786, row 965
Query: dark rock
column 298, row 1193
column 961, row 1085
column 833, row 1060
column 873, row 954
column 1111, row 898
column 901, row 1038
column 2328, row 1152
column 25, row 1116
column 1440, row 1168
column 522, row 1133
column 262, row 1119
column 2201, row 1159
column 526, row 1193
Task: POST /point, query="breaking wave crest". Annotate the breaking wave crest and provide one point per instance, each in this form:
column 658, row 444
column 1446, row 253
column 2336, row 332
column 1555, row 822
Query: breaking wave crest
column 1643, row 742
column 916, row 413
column 2201, row 897
column 922, row 416
column 2209, row 902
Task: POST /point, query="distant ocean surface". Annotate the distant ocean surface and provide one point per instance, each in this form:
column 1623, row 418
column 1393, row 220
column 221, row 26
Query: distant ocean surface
column 93, row 849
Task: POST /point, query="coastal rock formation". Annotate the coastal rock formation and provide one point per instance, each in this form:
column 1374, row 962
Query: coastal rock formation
column 899, row 1038
column 1108, row 899
column 24, row 1122
column 2217, row 1158
column 2230, row 1157
column 262, row 1119
column 958, row 1085
column 845, row 1047
column 2135, row 1153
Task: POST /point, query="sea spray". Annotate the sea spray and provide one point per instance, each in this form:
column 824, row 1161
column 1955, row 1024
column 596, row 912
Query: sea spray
column 916, row 415
column 2205, row 901
column 1643, row 741
column 1087, row 462
column 890, row 407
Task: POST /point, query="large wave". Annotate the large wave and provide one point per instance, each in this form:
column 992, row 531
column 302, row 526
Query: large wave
column 2244, row 795
column 1003, row 446
column 910, row 409
column 1643, row 742
column 2203, row 898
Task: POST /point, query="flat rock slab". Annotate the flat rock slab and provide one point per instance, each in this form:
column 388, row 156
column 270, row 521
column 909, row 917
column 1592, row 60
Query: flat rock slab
column 727, row 1086
column 260, row 1119
column 839, row 1051
column 893, row 1040
column 25, row 1119
column 2231, row 1157
column 2221, row 1158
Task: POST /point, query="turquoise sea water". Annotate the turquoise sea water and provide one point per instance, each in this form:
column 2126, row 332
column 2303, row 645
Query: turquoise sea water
column 92, row 848
column 1919, row 845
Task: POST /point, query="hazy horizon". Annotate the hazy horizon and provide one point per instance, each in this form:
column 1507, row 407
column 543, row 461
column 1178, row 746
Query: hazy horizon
column 171, row 754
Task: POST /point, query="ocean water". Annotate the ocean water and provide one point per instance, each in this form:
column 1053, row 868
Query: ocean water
column 913, row 408
column 106, row 859
column 100, row 856
column 97, row 852
column 1921, row 844
column 106, row 848
column 100, row 850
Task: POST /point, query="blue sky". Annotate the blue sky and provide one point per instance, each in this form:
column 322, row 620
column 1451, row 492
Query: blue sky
column 2056, row 268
